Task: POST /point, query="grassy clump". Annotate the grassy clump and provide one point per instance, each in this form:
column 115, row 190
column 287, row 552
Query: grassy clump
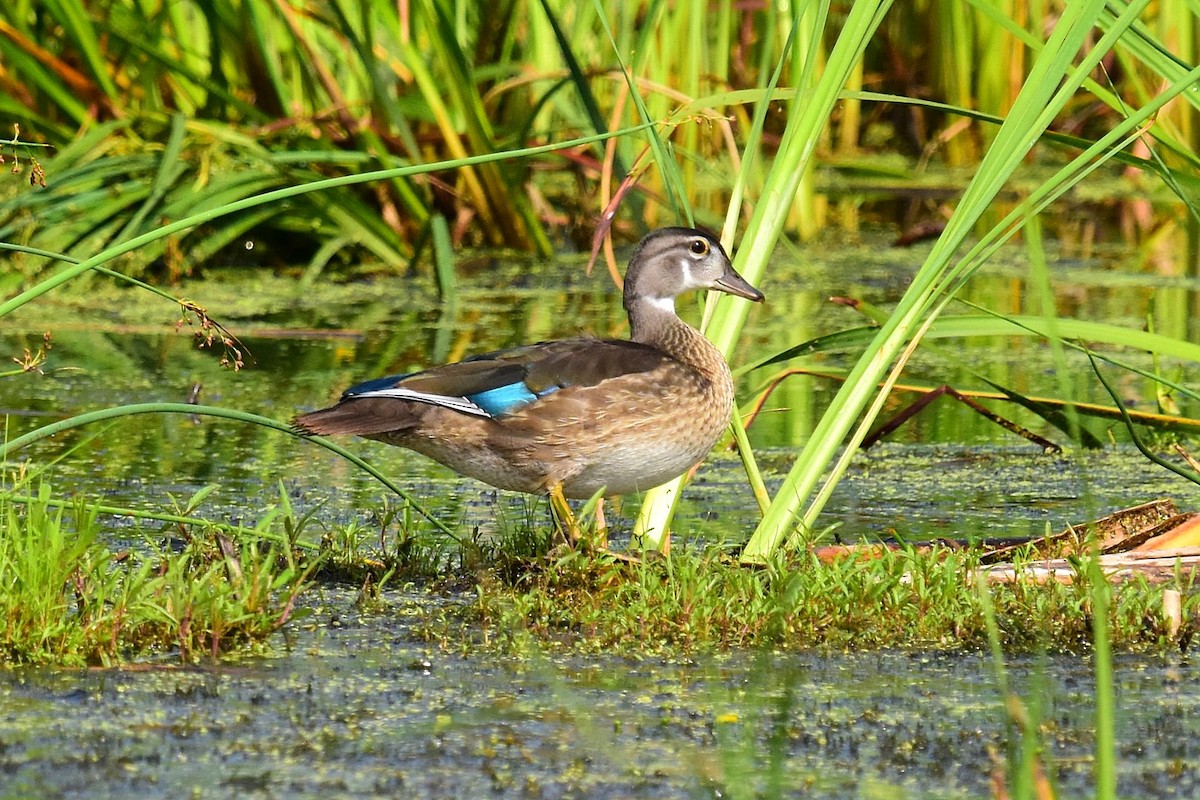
column 396, row 546
column 900, row 599
column 67, row 598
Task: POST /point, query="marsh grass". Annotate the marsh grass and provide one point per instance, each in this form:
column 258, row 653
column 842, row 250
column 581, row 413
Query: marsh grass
column 906, row 598
column 396, row 546
column 68, row 598
column 154, row 108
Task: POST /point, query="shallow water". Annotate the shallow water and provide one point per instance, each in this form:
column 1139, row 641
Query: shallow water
column 355, row 704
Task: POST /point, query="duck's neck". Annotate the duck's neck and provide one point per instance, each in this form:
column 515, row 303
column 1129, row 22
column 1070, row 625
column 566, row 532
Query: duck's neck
column 654, row 322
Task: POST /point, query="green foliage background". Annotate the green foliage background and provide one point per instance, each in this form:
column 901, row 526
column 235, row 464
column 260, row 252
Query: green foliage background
column 157, row 110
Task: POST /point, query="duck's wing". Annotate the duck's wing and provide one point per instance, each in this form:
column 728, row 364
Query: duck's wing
column 495, row 384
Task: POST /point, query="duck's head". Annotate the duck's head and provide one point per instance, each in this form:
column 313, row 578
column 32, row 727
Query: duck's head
column 671, row 261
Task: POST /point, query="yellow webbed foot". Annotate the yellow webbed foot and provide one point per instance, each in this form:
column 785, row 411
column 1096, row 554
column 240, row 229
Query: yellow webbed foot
column 564, row 516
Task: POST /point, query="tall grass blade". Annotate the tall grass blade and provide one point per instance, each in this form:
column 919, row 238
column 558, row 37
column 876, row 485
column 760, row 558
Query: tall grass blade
column 578, row 79
column 676, row 195
column 1106, row 720
column 169, row 169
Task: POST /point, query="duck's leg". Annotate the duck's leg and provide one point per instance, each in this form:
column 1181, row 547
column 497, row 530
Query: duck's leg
column 569, row 524
column 561, row 510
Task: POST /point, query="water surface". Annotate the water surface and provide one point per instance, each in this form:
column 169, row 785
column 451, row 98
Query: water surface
column 354, row 704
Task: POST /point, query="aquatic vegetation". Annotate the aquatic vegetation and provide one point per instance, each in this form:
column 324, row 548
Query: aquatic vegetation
column 68, row 597
column 907, row 598
column 147, row 106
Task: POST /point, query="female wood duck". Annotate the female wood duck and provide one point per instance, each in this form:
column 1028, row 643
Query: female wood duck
column 573, row 417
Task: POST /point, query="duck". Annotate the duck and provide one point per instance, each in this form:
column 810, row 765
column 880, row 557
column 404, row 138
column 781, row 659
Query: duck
column 573, row 418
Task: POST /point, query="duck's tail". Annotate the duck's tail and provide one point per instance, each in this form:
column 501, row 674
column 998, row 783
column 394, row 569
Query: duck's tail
column 367, row 416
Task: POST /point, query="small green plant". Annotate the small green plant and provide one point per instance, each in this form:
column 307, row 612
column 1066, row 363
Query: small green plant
column 394, row 547
column 68, row 598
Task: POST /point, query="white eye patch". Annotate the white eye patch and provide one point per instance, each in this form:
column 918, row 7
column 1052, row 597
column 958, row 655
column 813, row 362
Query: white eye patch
column 689, row 280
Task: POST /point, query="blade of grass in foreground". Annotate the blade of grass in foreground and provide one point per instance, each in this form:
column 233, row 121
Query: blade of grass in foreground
column 1043, row 95
column 1106, row 745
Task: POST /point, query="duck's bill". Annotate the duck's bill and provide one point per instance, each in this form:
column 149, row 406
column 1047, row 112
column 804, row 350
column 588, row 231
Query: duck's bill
column 735, row 284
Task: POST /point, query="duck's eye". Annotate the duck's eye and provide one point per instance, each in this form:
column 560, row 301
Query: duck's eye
column 699, row 247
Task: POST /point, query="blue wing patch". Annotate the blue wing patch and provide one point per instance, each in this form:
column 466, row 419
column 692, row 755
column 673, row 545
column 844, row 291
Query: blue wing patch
column 507, row 399
column 492, row 402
